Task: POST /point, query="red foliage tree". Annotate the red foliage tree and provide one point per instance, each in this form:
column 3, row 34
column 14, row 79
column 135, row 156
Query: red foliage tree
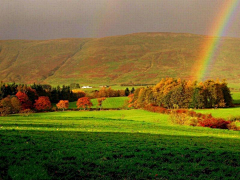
column 84, row 102
column 25, row 102
column 63, row 104
column 42, row 103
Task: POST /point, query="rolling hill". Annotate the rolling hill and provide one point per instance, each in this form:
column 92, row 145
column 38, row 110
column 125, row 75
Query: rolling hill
column 140, row 58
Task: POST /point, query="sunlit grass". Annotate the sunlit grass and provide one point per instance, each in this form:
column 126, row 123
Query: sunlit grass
column 111, row 102
column 124, row 144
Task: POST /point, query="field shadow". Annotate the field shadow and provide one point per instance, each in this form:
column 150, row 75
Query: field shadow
column 110, row 155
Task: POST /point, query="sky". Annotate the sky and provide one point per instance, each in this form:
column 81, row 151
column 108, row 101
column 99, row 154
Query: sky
column 54, row 19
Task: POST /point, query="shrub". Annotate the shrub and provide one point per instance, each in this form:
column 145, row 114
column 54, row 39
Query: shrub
column 235, row 118
column 54, row 109
column 26, row 112
column 177, row 118
column 214, row 123
column 183, row 119
column 233, row 126
column 157, row 109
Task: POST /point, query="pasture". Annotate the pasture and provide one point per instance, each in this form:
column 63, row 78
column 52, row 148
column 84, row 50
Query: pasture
column 236, row 97
column 109, row 103
column 225, row 113
column 124, row 144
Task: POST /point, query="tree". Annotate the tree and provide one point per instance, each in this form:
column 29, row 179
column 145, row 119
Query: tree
column 74, row 86
column 5, row 106
column 132, row 90
column 16, row 105
column 63, row 104
column 84, row 102
column 127, row 92
column 32, row 94
column 42, row 103
column 100, row 100
column 25, row 102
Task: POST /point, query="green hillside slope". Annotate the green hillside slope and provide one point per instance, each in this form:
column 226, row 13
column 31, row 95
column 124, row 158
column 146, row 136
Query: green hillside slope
column 140, row 58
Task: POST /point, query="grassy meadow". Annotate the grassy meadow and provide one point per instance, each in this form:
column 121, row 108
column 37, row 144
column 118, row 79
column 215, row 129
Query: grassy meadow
column 236, row 97
column 109, row 103
column 123, row 144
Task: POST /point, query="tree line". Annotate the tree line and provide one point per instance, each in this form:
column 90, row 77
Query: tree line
column 171, row 93
column 34, row 91
column 16, row 98
column 109, row 92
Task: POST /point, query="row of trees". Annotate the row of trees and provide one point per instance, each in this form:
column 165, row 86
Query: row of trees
column 16, row 97
column 109, row 92
column 82, row 103
column 34, row 91
column 21, row 102
column 171, row 93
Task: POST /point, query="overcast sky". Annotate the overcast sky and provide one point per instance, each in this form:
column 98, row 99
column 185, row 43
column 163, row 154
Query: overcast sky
column 52, row 19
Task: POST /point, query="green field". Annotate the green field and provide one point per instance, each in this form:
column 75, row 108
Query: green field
column 112, row 102
column 236, row 97
column 222, row 113
column 124, row 144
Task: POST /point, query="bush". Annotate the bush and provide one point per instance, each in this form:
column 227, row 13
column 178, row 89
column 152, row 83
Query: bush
column 235, row 118
column 177, row 118
column 183, row 119
column 214, row 123
column 26, row 112
column 233, row 126
column 54, row 109
column 157, row 109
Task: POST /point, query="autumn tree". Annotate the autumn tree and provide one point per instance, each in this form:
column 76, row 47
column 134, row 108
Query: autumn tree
column 42, row 103
column 84, row 103
column 25, row 102
column 5, row 106
column 16, row 105
column 171, row 92
column 63, row 104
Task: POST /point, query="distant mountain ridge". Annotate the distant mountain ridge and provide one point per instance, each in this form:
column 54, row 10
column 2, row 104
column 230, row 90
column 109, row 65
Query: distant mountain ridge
column 139, row 57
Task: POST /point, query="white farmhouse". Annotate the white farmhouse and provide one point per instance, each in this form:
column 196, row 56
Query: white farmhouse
column 85, row 87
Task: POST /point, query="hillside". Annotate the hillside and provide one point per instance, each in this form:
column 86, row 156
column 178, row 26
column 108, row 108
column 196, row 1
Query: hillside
column 140, row 58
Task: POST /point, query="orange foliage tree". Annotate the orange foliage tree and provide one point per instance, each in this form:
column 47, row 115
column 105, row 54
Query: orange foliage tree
column 84, row 102
column 171, row 93
column 42, row 103
column 63, row 104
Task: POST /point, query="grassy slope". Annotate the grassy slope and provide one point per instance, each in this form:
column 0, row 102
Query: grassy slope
column 33, row 61
column 141, row 58
column 222, row 113
column 129, row 144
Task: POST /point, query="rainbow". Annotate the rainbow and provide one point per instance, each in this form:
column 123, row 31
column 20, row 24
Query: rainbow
column 211, row 45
